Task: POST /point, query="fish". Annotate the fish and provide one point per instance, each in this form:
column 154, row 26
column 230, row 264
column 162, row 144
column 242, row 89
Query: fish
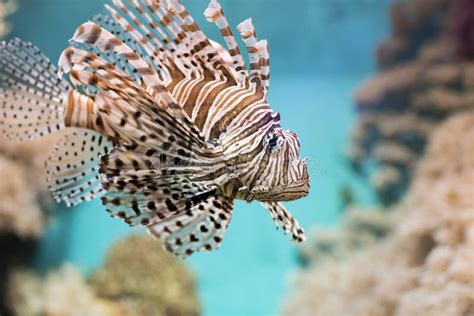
column 166, row 126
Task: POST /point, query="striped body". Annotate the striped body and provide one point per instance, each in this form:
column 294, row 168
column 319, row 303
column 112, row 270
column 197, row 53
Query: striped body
column 244, row 153
column 241, row 130
column 81, row 110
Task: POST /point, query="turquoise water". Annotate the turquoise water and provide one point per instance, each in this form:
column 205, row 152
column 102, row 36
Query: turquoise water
column 320, row 52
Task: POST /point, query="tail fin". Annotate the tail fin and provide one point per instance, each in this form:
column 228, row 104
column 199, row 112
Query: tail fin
column 31, row 95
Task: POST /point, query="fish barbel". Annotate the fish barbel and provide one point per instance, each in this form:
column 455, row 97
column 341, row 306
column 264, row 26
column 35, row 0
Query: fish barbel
column 165, row 125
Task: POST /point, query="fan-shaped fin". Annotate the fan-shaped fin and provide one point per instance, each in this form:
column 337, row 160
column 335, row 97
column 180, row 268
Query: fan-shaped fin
column 199, row 228
column 131, row 111
column 72, row 171
column 31, row 97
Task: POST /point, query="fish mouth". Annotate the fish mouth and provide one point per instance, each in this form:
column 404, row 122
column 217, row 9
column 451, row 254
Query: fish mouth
column 287, row 192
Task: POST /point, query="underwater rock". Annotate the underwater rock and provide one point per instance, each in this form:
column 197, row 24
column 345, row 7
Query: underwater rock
column 62, row 292
column 424, row 266
column 419, row 85
column 145, row 280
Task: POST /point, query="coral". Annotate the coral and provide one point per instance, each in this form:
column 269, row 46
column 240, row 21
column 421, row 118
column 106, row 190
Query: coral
column 138, row 278
column 145, row 280
column 460, row 23
column 19, row 210
column 424, row 266
column 412, row 22
column 419, row 85
column 22, row 187
column 7, row 7
column 62, row 292
column 24, row 204
column 359, row 228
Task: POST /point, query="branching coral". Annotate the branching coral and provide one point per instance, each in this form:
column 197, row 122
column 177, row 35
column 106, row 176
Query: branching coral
column 425, row 266
column 419, row 85
column 145, row 280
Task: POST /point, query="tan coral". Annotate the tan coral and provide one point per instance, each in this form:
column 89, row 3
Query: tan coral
column 23, row 188
column 7, row 7
column 146, row 280
column 420, row 84
column 359, row 228
column 61, row 292
column 425, row 266
column 19, row 210
column 372, row 92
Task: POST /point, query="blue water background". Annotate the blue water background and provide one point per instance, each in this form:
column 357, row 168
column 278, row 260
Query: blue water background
column 321, row 50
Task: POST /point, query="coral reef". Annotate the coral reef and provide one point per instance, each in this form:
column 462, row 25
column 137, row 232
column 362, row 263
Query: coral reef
column 7, row 7
column 145, row 280
column 424, row 266
column 23, row 206
column 138, row 278
column 460, row 22
column 422, row 81
column 412, row 22
column 62, row 292
column 23, row 188
column 359, row 228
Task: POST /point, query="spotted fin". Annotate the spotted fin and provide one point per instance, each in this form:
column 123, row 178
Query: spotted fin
column 285, row 220
column 199, row 228
column 140, row 175
column 146, row 187
column 72, row 171
column 142, row 169
column 31, row 96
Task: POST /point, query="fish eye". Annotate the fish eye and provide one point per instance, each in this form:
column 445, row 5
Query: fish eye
column 273, row 142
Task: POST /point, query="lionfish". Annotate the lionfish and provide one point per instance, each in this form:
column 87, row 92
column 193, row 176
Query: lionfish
column 165, row 125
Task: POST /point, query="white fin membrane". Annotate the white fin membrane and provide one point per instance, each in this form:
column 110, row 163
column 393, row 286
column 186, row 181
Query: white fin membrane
column 31, row 96
column 72, row 171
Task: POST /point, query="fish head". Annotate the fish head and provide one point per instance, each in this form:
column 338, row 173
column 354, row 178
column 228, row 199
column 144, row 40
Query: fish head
column 283, row 175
